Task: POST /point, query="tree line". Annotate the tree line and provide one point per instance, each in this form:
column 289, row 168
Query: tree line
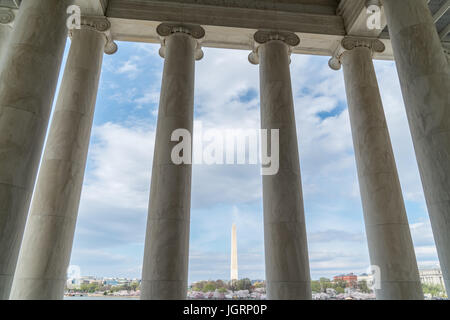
column 98, row 287
column 224, row 286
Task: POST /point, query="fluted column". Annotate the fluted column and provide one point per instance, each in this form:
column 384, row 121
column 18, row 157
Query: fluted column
column 28, row 77
column 425, row 81
column 165, row 269
column 388, row 236
column 45, row 254
column 286, row 250
column 6, row 19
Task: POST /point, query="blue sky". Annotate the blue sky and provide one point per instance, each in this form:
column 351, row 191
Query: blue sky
column 109, row 239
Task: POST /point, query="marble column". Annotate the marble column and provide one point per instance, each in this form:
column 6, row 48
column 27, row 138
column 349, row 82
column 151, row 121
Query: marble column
column 388, row 236
column 6, row 19
column 46, row 247
column 286, row 250
column 28, row 78
column 166, row 254
column 425, row 81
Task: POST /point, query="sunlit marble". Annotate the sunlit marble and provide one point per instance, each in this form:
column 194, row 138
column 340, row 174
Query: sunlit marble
column 166, row 255
column 47, row 244
column 425, row 81
column 286, row 250
column 29, row 74
column 389, row 239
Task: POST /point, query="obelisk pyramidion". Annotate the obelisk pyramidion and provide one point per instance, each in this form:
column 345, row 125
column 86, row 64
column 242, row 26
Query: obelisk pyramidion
column 234, row 261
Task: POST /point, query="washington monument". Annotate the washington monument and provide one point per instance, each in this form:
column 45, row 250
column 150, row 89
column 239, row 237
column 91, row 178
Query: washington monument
column 234, row 263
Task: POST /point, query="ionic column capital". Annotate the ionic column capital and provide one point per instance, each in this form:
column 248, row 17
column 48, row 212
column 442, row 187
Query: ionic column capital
column 101, row 25
column 263, row 36
column 6, row 16
column 350, row 43
column 166, row 29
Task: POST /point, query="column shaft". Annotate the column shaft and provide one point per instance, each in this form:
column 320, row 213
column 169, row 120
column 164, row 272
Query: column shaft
column 425, row 81
column 28, row 78
column 286, row 251
column 165, row 269
column 388, row 235
column 47, row 244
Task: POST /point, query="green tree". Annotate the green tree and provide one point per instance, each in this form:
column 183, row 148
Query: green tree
column 244, row 284
column 209, row 287
column 324, row 284
column 434, row 290
column 92, row 287
column 89, row 287
column 315, row 286
column 199, row 285
column 362, row 285
column 220, row 284
column 83, row 287
column 339, row 284
column 339, row 290
column 222, row 290
column 134, row 286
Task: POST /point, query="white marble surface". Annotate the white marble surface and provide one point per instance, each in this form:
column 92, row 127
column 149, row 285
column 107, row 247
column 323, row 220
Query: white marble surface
column 28, row 78
column 388, row 235
column 425, row 81
column 286, row 251
column 166, row 253
column 47, row 243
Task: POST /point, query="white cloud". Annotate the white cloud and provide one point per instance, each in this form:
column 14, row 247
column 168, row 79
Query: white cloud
column 129, row 67
column 121, row 161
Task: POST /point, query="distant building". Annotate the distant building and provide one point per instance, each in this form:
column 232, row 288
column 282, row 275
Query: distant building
column 256, row 281
column 432, row 277
column 111, row 282
column 75, row 283
column 351, row 279
column 368, row 278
